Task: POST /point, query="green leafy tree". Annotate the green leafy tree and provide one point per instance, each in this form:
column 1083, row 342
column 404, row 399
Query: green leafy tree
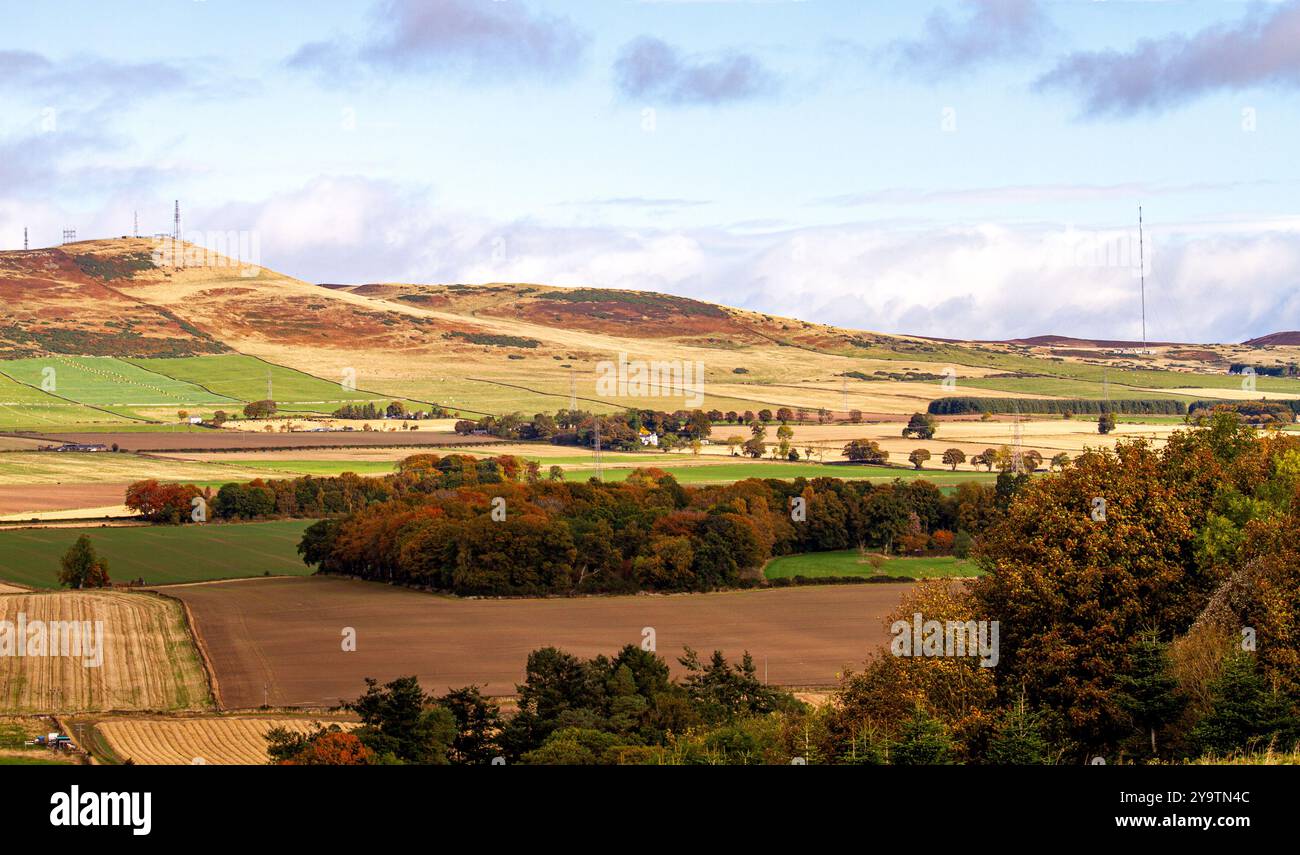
column 82, row 567
column 921, row 426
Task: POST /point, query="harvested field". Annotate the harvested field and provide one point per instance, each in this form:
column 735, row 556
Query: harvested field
column 19, row 498
column 218, row 740
column 232, row 440
column 282, row 636
column 147, row 659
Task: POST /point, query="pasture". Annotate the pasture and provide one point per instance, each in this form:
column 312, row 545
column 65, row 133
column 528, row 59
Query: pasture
column 160, row 555
column 851, row 562
column 245, row 378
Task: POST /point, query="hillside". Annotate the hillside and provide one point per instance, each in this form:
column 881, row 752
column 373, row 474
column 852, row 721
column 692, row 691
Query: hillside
column 236, row 331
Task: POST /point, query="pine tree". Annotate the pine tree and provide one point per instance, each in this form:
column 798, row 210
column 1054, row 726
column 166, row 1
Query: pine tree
column 1018, row 739
column 923, row 741
column 1243, row 711
column 1148, row 692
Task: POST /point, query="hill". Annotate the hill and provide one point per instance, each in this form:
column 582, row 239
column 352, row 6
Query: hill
column 1277, row 339
column 214, row 330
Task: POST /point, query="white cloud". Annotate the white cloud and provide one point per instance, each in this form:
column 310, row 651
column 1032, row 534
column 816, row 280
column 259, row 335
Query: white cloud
column 1205, row 282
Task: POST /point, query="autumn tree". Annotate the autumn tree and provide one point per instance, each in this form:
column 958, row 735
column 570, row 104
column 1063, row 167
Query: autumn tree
column 865, row 451
column 918, row 457
column 954, row 457
column 1050, row 560
column 330, row 746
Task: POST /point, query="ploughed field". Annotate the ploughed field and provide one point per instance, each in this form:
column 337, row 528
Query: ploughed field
column 280, row 640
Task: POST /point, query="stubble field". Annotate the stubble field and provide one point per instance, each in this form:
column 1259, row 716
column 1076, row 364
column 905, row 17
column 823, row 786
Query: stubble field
column 148, row 660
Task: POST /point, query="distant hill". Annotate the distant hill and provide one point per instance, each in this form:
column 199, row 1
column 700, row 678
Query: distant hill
column 1277, row 339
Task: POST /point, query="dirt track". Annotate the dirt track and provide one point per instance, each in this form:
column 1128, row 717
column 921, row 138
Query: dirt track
column 283, row 636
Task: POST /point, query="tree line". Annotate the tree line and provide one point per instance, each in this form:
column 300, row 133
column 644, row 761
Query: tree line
column 496, row 532
column 961, row 405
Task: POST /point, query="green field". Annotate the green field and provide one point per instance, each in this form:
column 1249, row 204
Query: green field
column 727, row 472
column 37, row 760
column 1048, row 369
column 159, row 554
column 245, row 378
column 851, row 562
column 104, row 381
column 320, row 468
column 24, row 407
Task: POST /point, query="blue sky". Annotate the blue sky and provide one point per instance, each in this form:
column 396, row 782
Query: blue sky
column 965, row 169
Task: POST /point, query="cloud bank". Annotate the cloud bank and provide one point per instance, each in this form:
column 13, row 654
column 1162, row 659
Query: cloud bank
column 1262, row 49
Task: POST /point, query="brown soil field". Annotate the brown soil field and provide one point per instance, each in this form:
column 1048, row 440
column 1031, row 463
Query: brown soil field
column 148, row 661
column 6, row 588
column 278, row 640
column 216, row 740
column 16, row 499
column 247, row 441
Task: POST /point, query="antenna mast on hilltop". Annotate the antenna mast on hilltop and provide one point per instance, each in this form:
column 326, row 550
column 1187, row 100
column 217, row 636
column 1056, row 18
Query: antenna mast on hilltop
column 135, row 224
column 24, row 238
column 1142, row 271
column 176, row 222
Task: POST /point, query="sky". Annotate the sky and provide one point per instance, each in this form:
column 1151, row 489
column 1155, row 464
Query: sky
column 965, row 169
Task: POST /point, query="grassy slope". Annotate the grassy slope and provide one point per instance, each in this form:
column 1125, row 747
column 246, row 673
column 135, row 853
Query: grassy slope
column 244, row 378
column 25, row 407
column 159, row 554
column 105, row 381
